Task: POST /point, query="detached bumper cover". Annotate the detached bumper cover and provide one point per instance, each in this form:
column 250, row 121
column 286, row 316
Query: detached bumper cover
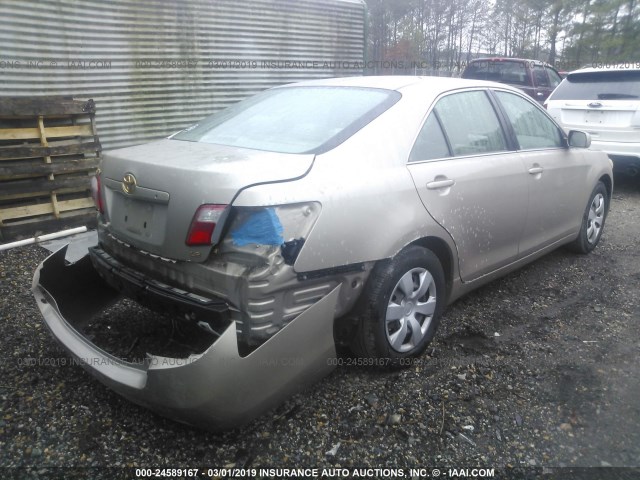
column 217, row 389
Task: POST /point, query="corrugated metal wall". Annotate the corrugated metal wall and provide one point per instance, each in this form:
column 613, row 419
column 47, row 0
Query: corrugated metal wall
column 155, row 66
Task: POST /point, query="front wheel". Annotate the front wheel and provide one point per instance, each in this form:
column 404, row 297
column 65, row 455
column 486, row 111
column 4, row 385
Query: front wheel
column 592, row 221
column 399, row 311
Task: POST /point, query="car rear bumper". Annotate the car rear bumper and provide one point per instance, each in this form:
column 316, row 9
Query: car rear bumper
column 617, row 148
column 625, row 155
column 217, row 389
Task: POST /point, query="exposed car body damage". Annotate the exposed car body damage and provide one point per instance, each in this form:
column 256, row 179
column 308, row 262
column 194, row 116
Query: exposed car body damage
column 218, row 389
column 262, row 291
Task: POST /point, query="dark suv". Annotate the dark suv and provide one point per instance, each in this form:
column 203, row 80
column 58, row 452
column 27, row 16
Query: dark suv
column 535, row 78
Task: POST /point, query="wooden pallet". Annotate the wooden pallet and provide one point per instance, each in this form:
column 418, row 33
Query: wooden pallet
column 49, row 150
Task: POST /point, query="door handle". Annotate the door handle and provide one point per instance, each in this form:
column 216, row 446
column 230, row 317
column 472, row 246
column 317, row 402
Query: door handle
column 536, row 170
column 435, row 185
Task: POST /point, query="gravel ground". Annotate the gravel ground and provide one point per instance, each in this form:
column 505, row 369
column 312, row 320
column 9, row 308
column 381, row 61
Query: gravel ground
column 538, row 369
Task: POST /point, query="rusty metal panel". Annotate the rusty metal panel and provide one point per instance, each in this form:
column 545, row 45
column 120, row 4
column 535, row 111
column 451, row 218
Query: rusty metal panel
column 155, row 66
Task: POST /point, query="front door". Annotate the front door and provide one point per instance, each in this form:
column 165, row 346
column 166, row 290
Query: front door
column 553, row 174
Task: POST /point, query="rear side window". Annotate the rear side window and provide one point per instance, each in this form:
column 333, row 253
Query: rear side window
column 293, row 119
column 619, row 85
column 430, row 143
column 497, row 71
column 533, row 128
column 540, row 76
column 470, row 123
column 553, row 77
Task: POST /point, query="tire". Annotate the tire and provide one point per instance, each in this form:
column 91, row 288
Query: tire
column 592, row 221
column 400, row 308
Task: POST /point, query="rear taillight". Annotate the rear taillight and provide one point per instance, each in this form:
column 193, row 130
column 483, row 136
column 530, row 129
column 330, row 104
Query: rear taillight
column 96, row 192
column 204, row 224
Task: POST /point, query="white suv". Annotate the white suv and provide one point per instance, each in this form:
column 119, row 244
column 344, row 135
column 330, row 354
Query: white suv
column 606, row 103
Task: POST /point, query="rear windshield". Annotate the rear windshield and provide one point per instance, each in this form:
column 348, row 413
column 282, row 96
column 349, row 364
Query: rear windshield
column 599, row 86
column 293, row 119
column 497, row 71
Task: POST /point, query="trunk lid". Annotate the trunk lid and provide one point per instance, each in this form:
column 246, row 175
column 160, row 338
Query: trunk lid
column 169, row 179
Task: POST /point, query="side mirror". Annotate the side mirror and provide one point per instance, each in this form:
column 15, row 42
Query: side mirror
column 579, row 139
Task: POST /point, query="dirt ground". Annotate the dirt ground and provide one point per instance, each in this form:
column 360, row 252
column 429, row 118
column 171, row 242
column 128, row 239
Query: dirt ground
column 538, row 370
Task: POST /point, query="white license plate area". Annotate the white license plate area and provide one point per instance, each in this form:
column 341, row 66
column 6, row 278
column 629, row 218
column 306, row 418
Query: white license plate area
column 609, row 118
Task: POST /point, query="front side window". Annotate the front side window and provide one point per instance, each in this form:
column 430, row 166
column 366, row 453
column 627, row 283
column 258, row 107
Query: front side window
column 470, row 123
column 293, row 119
column 532, row 127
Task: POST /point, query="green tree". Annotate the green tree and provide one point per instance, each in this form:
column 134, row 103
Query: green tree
column 446, row 33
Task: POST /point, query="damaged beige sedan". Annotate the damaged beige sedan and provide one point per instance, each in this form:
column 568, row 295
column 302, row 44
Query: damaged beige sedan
column 345, row 211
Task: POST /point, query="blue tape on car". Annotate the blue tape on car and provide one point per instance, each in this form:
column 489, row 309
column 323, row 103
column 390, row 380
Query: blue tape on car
column 262, row 227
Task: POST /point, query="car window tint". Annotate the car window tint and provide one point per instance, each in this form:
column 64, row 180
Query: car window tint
column 471, row 123
column 540, row 76
column 532, row 127
column 554, row 78
column 599, row 85
column 497, row 71
column 293, row 119
column 430, row 143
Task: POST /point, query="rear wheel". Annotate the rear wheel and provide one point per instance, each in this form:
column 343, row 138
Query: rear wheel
column 400, row 308
column 592, row 221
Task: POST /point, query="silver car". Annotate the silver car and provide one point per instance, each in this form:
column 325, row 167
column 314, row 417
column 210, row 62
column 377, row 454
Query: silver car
column 347, row 210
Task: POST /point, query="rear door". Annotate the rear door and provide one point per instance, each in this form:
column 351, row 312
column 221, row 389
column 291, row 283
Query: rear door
column 470, row 182
column 542, row 83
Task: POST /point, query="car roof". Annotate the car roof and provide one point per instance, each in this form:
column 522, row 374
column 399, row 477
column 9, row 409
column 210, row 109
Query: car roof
column 604, row 69
column 508, row 59
column 399, row 82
